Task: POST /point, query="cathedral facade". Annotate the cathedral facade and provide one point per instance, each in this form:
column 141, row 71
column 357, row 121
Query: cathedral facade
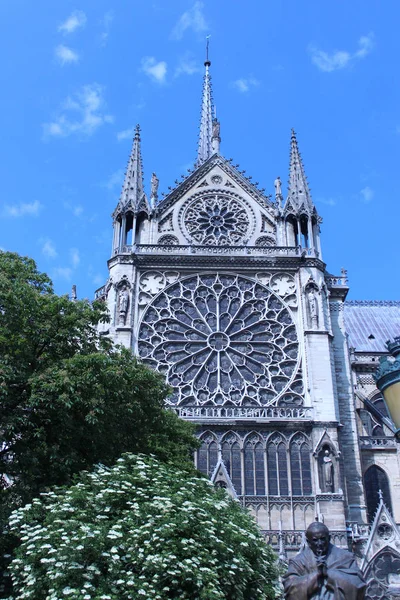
column 223, row 289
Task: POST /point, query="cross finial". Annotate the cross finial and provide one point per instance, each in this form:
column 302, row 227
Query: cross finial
column 207, row 62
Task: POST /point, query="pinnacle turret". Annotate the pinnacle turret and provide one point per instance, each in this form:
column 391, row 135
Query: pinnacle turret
column 299, row 196
column 132, row 194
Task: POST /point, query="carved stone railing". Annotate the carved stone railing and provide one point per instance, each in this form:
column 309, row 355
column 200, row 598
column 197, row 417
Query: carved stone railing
column 100, row 292
column 340, row 280
column 358, row 532
column 266, row 413
column 377, row 443
column 293, row 540
column 227, row 250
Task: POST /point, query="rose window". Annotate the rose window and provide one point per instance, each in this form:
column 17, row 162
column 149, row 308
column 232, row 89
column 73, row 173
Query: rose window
column 222, row 339
column 217, row 220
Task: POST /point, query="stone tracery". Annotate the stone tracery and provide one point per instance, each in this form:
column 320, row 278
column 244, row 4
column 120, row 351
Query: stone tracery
column 222, row 339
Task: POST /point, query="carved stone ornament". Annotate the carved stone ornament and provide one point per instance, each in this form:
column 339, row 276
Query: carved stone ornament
column 216, row 219
column 221, row 339
column 123, row 305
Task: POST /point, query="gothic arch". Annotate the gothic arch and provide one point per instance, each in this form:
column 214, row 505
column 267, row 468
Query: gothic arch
column 207, row 454
column 300, row 465
column 277, row 465
column 384, row 565
column 231, row 450
column 254, row 464
column 376, row 481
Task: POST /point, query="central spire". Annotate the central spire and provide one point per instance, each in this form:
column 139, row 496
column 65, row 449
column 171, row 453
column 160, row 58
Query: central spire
column 205, row 147
column 133, row 190
column 299, row 192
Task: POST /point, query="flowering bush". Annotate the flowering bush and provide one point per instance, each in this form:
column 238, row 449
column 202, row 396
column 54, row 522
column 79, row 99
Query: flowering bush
column 140, row 529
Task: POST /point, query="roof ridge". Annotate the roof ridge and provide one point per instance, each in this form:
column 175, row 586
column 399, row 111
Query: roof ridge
column 372, row 302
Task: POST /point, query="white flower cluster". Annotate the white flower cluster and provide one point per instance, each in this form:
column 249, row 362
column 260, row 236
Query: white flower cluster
column 139, row 530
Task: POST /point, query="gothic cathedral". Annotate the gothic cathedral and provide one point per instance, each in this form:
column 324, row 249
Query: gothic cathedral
column 223, row 289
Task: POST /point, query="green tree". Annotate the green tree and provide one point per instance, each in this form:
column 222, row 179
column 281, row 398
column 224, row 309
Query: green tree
column 68, row 400
column 140, row 529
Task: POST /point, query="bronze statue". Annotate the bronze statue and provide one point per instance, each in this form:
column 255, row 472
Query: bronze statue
column 323, row 571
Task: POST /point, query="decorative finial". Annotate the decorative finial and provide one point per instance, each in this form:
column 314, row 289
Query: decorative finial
column 207, row 62
column 380, row 494
column 73, row 293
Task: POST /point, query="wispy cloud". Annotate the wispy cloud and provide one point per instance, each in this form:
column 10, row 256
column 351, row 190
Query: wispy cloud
column 75, row 257
column 48, row 248
column 327, row 201
column 192, row 19
column 62, row 273
column 76, row 209
column 66, row 55
column 157, row 71
column 125, row 134
column 75, row 20
column 115, row 179
column 245, row 84
column 367, row 194
column 82, row 113
column 106, row 23
column 22, row 209
column 187, row 66
column 339, row 59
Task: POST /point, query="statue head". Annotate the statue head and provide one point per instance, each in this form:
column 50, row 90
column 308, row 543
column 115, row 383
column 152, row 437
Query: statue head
column 318, row 538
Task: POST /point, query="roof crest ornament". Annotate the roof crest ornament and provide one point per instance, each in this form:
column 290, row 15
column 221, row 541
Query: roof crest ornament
column 209, row 126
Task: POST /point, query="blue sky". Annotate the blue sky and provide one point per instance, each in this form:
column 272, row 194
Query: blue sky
column 77, row 76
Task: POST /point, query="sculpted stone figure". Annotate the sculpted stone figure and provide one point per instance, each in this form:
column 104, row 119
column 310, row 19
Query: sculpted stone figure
column 327, row 470
column 123, row 306
column 323, row 571
column 278, row 187
column 154, row 185
column 313, row 307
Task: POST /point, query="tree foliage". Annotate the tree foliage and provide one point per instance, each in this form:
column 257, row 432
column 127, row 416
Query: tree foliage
column 140, row 530
column 69, row 400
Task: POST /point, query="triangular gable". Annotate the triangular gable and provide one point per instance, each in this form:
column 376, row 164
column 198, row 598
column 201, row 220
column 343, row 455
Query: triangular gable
column 325, row 440
column 220, row 478
column 196, row 180
column 384, row 534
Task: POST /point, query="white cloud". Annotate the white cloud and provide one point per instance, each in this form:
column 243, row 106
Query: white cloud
column 192, row 19
column 125, row 134
column 106, row 22
column 75, row 20
column 22, row 209
column 76, row 209
column 66, row 55
column 97, row 279
column 341, row 58
column 82, row 113
column 48, row 248
column 187, row 66
column 327, row 201
column 62, row 273
column 367, row 194
column 115, row 179
column 155, row 70
column 75, row 258
column 244, row 84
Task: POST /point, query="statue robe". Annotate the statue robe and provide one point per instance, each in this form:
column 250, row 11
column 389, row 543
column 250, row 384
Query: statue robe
column 344, row 579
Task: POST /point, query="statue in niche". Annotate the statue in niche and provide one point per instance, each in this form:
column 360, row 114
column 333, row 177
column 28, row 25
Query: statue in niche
column 313, row 308
column 123, row 306
column 154, row 185
column 322, row 571
column 327, row 471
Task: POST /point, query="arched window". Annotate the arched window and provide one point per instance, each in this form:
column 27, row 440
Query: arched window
column 278, row 484
column 375, row 480
column 231, row 457
column 300, row 466
column 254, row 467
column 207, row 455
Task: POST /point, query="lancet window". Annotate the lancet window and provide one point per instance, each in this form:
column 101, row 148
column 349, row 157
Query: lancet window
column 376, row 481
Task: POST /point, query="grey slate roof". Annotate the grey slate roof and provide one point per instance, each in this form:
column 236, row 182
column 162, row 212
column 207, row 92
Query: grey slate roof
column 380, row 319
